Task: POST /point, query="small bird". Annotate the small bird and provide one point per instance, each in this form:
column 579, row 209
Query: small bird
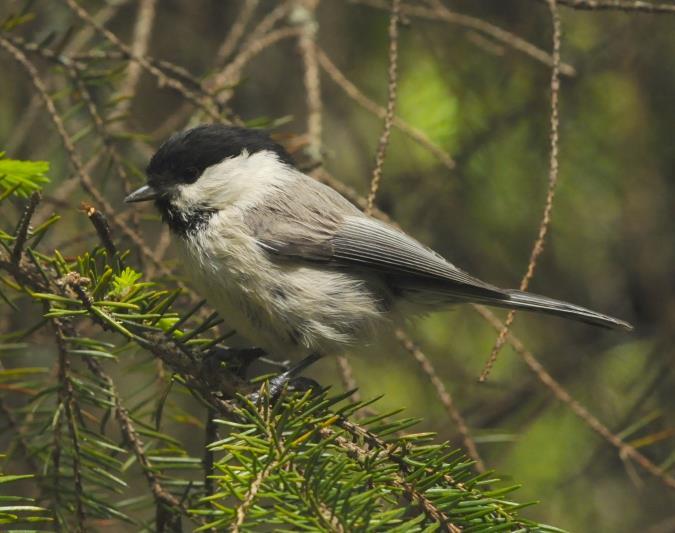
column 290, row 263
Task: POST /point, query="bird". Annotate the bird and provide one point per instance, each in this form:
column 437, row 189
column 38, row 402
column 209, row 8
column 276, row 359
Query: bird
column 290, row 263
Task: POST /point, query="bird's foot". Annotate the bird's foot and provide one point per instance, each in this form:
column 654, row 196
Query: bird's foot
column 289, row 380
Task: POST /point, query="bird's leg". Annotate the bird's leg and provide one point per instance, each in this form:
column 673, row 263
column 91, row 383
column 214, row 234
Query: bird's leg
column 290, row 377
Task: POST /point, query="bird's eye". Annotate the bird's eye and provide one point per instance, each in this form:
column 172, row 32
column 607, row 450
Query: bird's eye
column 191, row 174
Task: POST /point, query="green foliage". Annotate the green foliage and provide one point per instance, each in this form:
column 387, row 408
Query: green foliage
column 21, row 177
column 18, row 510
column 314, row 470
column 124, row 283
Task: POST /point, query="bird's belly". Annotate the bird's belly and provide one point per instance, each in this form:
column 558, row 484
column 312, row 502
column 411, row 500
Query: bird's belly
column 287, row 309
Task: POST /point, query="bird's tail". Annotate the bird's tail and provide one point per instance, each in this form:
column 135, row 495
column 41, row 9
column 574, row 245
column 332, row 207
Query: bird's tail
column 516, row 299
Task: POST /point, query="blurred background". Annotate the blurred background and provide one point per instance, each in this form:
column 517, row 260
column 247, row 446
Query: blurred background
column 471, row 182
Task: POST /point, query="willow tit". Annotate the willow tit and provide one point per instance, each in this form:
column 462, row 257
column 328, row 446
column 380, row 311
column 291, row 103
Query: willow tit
column 289, row 262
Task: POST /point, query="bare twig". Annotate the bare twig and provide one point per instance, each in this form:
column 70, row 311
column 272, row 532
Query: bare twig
column 473, row 23
column 162, row 79
column 85, row 179
column 625, row 450
column 249, row 497
column 618, row 5
column 304, row 16
column 538, row 246
column 139, row 48
column 100, row 224
column 391, row 103
column 236, row 31
column 231, row 74
column 66, row 401
column 23, row 226
column 355, row 94
column 444, row 396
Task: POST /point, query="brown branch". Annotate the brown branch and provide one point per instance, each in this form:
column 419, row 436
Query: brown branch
column 236, row 31
column 391, row 103
column 473, row 23
column 304, row 15
column 426, row 506
column 100, row 223
column 618, row 5
column 66, row 400
column 444, row 396
column 538, row 246
column 145, row 20
column 84, row 177
column 162, row 79
column 625, row 450
column 23, row 227
column 355, row 94
column 231, row 74
column 251, row 493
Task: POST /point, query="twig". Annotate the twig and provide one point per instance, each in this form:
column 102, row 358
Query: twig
column 23, row 226
column 391, row 103
column 499, row 34
column 100, row 224
column 162, row 79
column 251, row 493
column 236, row 31
column 102, row 130
column 85, row 178
column 426, row 505
column 231, row 74
column 210, row 436
column 625, row 450
column 145, row 19
column 66, row 400
column 538, row 246
column 347, row 377
column 355, row 94
column 444, row 396
column 618, row 5
column 304, row 16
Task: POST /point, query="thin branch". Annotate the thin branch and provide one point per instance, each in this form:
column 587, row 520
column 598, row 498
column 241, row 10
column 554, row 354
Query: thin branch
column 355, row 94
column 391, row 103
column 554, row 138
column 618, row 5
column 231, row 74
column 625, row 450
column 236, row 31
column 444, row 396
column 66, row 400
column 473, row 23
column 162, row 79
column 304, row 15
column 84, row 177
column 347, row 377
column 415, row 496
column 251, row 493
column 141, row 39
column 100, row 223
column 23, row 227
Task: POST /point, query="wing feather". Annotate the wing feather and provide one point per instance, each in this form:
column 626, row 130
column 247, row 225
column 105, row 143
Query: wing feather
column 327, row 228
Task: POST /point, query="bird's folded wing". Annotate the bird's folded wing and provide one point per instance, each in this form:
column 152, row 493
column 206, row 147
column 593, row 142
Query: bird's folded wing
column 352, row 239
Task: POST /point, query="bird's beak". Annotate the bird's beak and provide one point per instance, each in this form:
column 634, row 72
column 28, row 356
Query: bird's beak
column 143, row 194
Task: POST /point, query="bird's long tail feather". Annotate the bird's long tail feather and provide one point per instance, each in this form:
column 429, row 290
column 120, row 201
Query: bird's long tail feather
column 516, row 299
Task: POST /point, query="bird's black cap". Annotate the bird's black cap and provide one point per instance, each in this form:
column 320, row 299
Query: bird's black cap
column 185, row 155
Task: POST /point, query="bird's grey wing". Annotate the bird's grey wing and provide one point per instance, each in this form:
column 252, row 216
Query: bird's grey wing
column 312, row 222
